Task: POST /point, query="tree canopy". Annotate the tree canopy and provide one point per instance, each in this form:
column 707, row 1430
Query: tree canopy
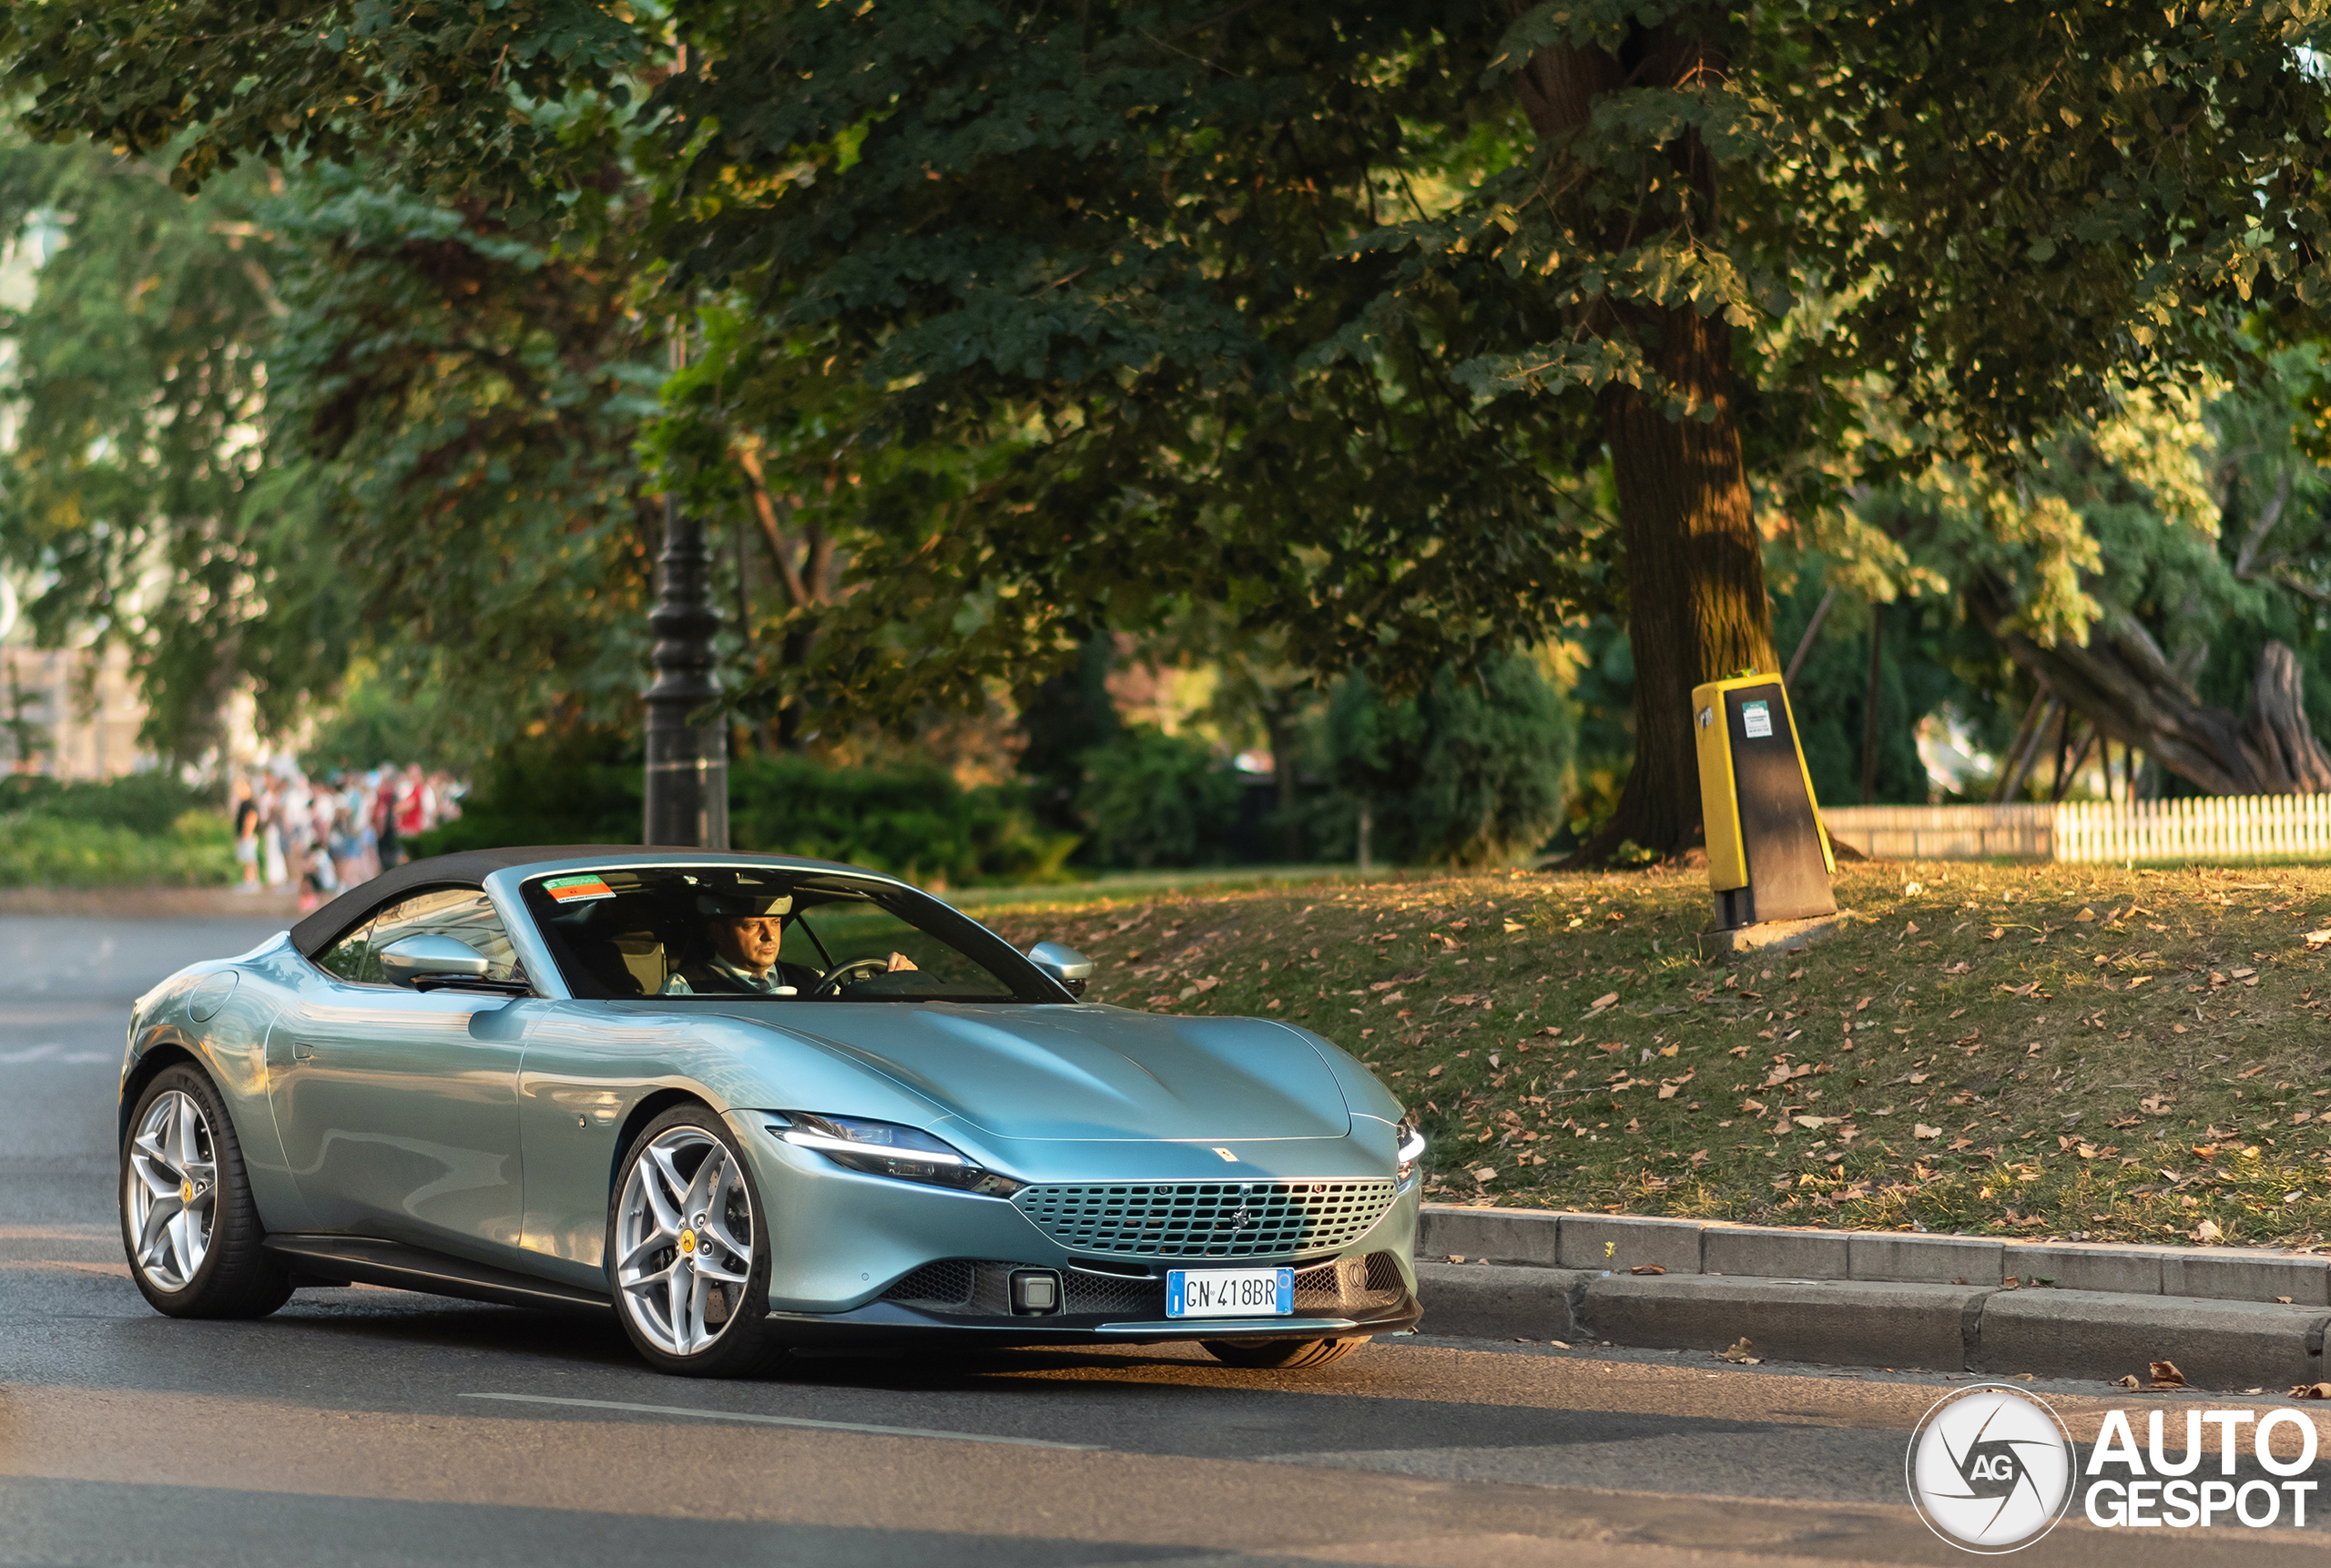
column 1333, row 320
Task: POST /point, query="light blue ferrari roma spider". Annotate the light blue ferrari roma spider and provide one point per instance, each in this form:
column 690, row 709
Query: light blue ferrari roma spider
column 749, row 1102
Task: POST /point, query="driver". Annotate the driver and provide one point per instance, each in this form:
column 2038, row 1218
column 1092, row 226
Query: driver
column 742, row 933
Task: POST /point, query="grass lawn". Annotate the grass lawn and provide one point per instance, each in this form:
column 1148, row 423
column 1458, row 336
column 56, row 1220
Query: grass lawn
column 2078, row 1052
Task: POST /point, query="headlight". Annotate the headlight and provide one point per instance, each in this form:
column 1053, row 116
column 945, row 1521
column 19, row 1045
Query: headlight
column 1411, row 1144
column 886, row 1149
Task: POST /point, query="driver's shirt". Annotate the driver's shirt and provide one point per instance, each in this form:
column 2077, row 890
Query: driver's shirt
column 741, row 981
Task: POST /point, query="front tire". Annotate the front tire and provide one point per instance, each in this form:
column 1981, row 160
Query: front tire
column 188, row 1220
column 689, row 1249
column 1281, row 1354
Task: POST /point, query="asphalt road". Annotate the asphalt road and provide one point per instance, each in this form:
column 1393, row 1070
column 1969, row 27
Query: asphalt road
column 371, row 1427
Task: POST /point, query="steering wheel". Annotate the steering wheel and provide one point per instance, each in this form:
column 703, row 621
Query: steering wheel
column 840, row 975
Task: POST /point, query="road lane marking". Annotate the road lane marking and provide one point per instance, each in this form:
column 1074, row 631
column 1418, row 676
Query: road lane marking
column 786, row 1421
column 53, row 1052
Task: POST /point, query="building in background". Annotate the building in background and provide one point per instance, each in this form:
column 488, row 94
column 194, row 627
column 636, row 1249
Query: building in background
column 69, row 713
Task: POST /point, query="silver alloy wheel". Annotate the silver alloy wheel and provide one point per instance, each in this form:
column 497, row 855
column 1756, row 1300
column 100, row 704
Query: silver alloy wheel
column 684, row 1242
column 173, row 1183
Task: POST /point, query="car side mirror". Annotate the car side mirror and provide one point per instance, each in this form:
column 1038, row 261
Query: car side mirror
column 411, row 960
column 1064, row 964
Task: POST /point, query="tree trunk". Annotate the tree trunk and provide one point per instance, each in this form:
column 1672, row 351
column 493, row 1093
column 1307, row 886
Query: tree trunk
column 2121, row 683
column 1696, row 605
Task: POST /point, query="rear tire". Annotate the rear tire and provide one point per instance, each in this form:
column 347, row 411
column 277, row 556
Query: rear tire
column 688, row 1250
column 187, row 1221
column 1281, row 1354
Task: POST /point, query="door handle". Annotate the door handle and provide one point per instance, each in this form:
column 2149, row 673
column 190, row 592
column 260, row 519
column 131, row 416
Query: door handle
column 302, row 1052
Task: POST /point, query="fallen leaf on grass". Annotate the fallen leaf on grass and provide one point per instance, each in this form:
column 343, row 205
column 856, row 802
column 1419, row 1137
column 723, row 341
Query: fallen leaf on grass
column 2165, row 1375
column 1513, row 925
column 1485, row 1173
column 2085, row 915
column 2208, row 1231
column 1997, row 931
column 1648, row 1268
column 1920, row 1130
column 1604, row 1000
column 2252, row 1072
column 2317, row 937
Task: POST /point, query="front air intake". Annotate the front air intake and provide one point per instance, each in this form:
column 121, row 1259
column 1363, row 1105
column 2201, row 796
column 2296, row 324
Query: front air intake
column 1210, row 1218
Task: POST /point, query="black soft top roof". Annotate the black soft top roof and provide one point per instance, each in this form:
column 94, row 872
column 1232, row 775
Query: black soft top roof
column 468, row 868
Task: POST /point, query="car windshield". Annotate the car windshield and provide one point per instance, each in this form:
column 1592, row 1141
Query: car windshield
column 726, row 931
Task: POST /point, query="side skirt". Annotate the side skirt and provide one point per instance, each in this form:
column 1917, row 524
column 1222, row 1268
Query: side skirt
column 352, row 1259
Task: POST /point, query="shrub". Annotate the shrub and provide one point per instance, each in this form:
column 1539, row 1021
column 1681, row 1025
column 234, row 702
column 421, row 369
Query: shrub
column 38, row 849
column 1467, row 773
column 577, row 788
column 150, row 802
column 1157, row 799
column 913, row 822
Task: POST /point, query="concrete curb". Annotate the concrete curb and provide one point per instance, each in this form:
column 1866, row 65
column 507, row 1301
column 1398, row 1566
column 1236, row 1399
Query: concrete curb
column 1879, row 1299
column 1554, row 1239
column 1900, row 1327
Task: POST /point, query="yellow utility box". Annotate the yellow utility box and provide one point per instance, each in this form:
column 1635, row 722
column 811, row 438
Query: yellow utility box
column 1768, row 858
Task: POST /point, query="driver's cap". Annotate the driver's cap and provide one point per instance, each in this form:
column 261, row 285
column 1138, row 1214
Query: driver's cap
column 744, row 906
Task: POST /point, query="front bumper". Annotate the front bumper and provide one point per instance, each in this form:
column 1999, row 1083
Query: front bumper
column 847, row 1241
column 967, row 1298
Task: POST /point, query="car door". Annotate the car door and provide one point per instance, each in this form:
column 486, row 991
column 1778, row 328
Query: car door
column 399, row 1108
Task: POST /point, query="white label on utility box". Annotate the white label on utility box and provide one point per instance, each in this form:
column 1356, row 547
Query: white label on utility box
column 1756, row 720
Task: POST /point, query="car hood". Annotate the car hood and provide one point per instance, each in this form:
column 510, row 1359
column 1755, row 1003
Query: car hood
column 1090, row 1072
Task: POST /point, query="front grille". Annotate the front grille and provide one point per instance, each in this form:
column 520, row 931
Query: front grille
column 1208, row 1219
column 1349, row 1285
column 982, row 1288
column 944, row 1283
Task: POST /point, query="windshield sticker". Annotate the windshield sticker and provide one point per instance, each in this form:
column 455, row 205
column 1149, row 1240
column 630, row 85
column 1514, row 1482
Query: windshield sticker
column 575, row 890
column 1756, row 721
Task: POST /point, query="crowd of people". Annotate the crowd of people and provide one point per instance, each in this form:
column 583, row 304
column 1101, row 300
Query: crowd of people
column 326, row 836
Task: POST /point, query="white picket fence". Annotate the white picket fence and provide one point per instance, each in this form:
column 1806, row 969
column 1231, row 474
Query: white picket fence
column 2246, row 827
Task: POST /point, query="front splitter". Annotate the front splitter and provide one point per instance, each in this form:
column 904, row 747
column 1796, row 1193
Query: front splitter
column 878, row 1320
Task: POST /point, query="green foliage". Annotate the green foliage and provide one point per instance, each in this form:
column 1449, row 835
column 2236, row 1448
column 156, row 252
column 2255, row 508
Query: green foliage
column 374, row 724
column 1063, row 316
column 585, row 786
column 1466, row 773
column 39, row 849
column 133, row 491
column 1061, row 720
column 465, row 395
column 151, row 803
column 581, row 786
column 915, row 822
column 1157, row 799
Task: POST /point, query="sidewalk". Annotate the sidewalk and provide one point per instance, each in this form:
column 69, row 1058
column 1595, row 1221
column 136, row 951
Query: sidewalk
column 2229, row 1317
column 133, row 904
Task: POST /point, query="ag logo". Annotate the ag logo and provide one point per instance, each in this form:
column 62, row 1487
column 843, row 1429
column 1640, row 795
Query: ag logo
column 1991, row 1469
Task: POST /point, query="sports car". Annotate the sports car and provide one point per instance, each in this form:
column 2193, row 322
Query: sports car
column 749, row 1102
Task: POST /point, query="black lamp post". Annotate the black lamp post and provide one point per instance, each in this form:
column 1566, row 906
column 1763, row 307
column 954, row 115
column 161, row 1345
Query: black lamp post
column 688, row 761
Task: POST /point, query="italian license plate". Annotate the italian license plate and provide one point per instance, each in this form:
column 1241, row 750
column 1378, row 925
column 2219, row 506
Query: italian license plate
column 1230, row 1292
